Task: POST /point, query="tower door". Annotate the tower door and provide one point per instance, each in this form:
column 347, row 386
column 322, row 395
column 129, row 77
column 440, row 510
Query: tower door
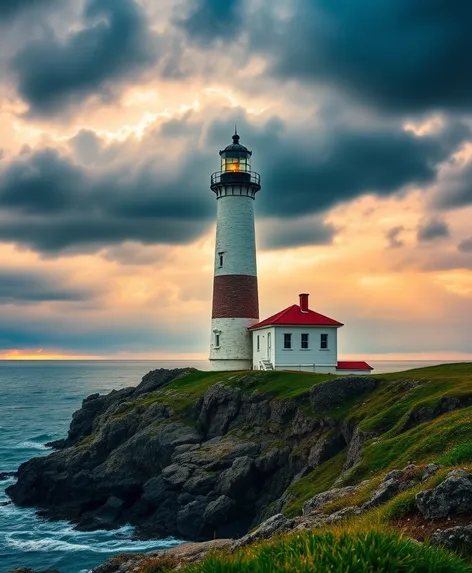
column 269, row 346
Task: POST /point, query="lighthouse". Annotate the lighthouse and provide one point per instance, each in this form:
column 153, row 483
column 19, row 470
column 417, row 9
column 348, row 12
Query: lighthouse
column 235, row 294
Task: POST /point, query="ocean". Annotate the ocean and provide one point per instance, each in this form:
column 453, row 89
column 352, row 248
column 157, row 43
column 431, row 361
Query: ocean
column 36, row 405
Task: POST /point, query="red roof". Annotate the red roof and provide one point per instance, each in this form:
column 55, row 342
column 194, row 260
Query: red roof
column 293, row 316
column 353, row 366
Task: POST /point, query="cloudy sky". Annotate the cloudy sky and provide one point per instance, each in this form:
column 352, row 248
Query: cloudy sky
column 112, row 113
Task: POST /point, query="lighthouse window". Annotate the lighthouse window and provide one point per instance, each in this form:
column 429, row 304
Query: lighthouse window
column 221, row 259
column 324, row 342
column 258, row 343
column 287, row 341
column 234, row 164
column 217, row 340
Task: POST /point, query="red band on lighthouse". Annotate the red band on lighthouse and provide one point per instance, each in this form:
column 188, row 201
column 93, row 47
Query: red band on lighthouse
column 235, row 296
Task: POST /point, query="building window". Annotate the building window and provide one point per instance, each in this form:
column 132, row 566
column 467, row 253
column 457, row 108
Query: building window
column 304, row 342
column 287, row 341
column 217, row 340
column 258, row 343
column 324, row 342
column 221, row 259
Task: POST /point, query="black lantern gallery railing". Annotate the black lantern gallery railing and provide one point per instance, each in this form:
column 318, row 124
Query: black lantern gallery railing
column 236, row 177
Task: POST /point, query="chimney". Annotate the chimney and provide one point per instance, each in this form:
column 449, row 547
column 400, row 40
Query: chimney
column 304, row 302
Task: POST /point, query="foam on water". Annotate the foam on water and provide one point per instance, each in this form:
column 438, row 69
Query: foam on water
column 33, row 446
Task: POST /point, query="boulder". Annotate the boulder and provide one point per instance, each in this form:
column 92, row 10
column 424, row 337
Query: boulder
column 429, row 470
column 343, row 513
column 175, row 475
column 325, row 497
column 384, row 493
column 218, row 512
column 393, row 483
column 451, row 497
column 237, row 480
column 276, row 524
column 455, row 538
column 154, row 491
column 201, row 483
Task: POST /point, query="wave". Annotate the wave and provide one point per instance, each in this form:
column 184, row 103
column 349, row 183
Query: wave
column 32, row 446
column 99, row 542
column 43, row 545
column 42, row 438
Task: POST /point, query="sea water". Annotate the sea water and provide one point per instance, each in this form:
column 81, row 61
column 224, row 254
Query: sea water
column 37, row 400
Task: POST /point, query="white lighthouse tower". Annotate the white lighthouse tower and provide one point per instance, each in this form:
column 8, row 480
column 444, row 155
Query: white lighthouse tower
column 235, row 294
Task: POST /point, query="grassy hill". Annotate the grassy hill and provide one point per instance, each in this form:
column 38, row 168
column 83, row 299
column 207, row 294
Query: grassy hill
column 419, row 417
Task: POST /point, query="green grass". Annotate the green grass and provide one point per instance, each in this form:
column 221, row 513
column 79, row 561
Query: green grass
column 283, row 385
column 458, row 454
column 350, row 552
column 180, row 395
column 425, row 443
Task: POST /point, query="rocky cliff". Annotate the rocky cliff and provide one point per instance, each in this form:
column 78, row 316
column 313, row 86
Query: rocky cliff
column 189, row 454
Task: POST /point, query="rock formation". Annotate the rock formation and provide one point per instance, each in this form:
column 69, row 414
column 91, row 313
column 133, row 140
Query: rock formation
column 211, row 469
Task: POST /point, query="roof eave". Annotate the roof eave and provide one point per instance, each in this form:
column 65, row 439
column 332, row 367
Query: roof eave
column 259, row 326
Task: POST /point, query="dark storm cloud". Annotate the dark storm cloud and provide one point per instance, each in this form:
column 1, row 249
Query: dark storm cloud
column 20, row 287
column 51, row 204
column 210, row 20
column 392, row 235
column 306, row 173
column 11, row 8
column 121, row 193
column 455, row 189
column 282, row 234
column 432, row 229
column 465, row 246
column 41, row 183
column 114, row 45
column 399, row 55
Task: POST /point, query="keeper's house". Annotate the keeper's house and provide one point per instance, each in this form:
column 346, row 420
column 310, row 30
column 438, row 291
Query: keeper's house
column 298, row 338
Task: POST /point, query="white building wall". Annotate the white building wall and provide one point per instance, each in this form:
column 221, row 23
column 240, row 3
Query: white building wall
column 314, row 355
column 266, row 337
column 235, row 344
column 353, row 372
column 235, row 236
column 312, row 360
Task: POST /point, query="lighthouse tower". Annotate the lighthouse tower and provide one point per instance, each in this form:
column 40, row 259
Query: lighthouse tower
column 235, row 295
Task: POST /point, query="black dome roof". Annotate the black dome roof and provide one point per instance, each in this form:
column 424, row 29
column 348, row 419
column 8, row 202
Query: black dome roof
column 236, row 146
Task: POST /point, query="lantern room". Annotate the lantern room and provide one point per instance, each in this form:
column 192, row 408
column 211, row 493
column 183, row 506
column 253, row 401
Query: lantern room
column 235, row 175
column 236, row 158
